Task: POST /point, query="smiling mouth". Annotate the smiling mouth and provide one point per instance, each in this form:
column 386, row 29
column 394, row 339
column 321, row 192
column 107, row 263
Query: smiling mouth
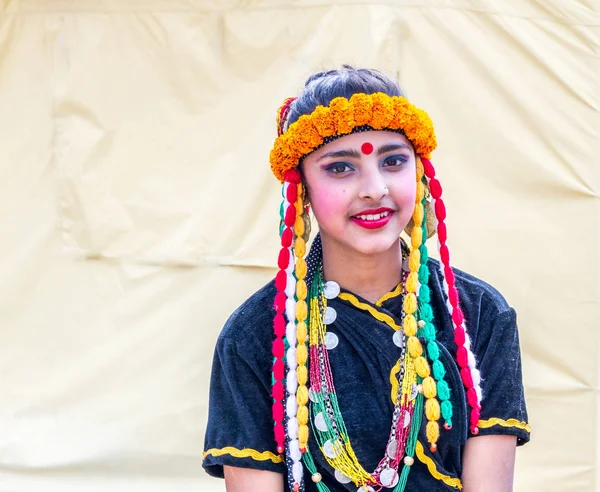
column 371, row 217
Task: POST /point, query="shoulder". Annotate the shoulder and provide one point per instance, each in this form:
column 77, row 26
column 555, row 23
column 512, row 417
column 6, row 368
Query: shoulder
column 249, row 329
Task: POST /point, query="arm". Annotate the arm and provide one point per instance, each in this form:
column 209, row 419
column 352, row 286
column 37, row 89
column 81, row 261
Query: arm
column 489, row 464
column 248, row 480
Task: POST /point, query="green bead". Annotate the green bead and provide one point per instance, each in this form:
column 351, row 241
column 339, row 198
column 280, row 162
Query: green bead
column 443, row 390
column 433, row 350
column 438, row 370
column 446, row 410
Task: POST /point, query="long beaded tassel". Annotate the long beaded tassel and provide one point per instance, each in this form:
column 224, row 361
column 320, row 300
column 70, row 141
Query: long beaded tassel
column 464, row 356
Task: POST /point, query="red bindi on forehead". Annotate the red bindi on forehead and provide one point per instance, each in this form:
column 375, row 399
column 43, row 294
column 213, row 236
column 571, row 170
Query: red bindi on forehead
column 366, row 148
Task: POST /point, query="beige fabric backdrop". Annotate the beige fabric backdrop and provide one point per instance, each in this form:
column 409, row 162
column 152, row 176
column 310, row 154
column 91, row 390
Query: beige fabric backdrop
column 138, row 209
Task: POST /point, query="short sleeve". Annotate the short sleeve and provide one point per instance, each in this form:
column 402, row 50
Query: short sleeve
column 240, row 430
column 497, row 350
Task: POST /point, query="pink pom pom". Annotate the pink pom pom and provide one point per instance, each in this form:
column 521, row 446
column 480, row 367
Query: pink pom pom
column 286, row 237
column 292, row 176
column 279, row 325
column 465, row 374
column 459, row 336
column 292, row 193
column 444, row 254
column 279, row 433
column 442, row 232
column 278, row 370
column 462, row 357
column 281, row 280
column 279, row 302
column 440, row 210
column 457, row 316
column 436, row 188
column 284, row 258
column 453, row 296
column 277, row 411
column 290, row 216
column 428, row 168
column 278, row 349
column 278, row 390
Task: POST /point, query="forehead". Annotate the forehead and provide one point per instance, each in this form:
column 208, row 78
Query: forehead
column 356, row 140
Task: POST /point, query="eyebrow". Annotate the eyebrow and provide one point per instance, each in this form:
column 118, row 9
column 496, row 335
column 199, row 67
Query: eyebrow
column 356, row 154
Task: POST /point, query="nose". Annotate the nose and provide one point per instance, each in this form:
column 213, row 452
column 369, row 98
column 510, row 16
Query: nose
column 373, row 186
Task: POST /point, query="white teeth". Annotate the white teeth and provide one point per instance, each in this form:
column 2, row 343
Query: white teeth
column 373, row 217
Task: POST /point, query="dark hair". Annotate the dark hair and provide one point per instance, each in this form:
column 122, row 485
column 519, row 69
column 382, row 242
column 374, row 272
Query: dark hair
column 321, row 87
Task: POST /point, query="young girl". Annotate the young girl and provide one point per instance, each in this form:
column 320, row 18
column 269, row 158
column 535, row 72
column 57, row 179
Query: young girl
column 366, row 365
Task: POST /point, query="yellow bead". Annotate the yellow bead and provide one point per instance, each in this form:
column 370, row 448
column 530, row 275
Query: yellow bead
column 422, row 367
column 301, row 310
column 302, row 396
column 409, row 325
column 301, row 354
column 415, row 349
column 301, row 332
column 300, row 268
column 410, row 303
column 432, row 409
column 299, row 247
column 302, row 374
column 429, row 387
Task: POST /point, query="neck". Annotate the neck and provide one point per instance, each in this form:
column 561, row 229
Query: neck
column 369, row 276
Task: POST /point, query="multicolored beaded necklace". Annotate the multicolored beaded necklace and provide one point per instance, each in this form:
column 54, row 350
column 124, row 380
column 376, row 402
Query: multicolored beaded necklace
column 327, row 422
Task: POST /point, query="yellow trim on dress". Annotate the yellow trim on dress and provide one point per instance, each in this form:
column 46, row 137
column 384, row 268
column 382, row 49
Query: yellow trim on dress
column 486, row 424
column 423, row 458
column 244, row 453
column 390, row 295
column 388, row 320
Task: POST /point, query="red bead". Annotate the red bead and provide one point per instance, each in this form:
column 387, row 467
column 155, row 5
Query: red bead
column 278, row 390
column 462, row 357
column 281, row 280
column 279, row 303
column 279, row 325
column 475, row 430
column 303, row 450
column 278, row 370
column 277, row 411
column 296, row 487
column 444, row 254
column 287, row 237
column 278, row 348
column 366, row 148
column 440, row 210
column 465, row 374
column 459, row 336
column 292, row 176
column 428, row 168
column 447, row 426
column 442, row 232
column 436, row 188
column 290, row 216
column 292, row 193
column 472, row 398
column 279, row 433
column 449, row 274
column 280, row 449
column 433, row 448
column 457, row 316
column 284, row 258
column 453, row 296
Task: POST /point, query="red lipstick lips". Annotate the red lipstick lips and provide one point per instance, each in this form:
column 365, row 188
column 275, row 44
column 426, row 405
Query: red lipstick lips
column 373, row 218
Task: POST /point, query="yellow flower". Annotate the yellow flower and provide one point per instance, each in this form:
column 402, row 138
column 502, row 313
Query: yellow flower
column 322, row 121
column 341, row 113
column 362, row 104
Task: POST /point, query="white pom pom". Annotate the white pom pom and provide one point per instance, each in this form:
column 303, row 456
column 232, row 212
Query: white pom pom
column 295, row 453
column 290, row 332
column 290, row 287
column 293, row 427
column 290, row 309
column 291, row 383
column 290, row 268
column 292, row 363
column 297, row 471
column 479, row 393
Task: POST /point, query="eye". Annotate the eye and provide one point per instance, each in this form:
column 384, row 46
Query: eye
column 338, row 168
column 395, row 161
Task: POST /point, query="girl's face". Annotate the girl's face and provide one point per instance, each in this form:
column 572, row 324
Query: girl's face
column 362, row 189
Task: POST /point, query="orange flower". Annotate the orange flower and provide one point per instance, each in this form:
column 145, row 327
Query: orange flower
column 378, row 111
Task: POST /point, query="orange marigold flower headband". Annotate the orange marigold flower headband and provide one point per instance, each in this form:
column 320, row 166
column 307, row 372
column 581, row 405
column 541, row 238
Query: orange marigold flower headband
column 378, row 111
